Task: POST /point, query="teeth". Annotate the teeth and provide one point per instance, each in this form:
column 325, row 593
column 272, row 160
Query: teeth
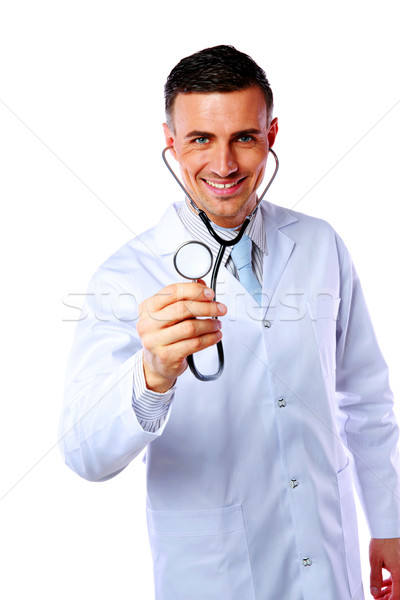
column 221, row 186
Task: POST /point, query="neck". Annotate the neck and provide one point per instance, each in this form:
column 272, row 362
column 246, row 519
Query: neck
column 221, row 227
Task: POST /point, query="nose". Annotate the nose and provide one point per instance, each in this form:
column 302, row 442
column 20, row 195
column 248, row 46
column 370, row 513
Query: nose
column 224, row 161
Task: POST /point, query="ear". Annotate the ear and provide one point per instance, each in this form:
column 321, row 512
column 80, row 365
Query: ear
column 272, row 133
column 169, row 139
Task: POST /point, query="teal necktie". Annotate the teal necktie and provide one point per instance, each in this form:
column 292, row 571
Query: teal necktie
column 241, row 256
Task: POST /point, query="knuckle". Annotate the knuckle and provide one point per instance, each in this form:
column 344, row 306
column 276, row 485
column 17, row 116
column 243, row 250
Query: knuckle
column 210, row 308
column 172, row 291
column 147, row 343
column 162, row 354
column 198, row 343
column 145, row 305
column 183, row 308
column 140, row 328
column 189, row 328
column 180, row 305
column 178, row 291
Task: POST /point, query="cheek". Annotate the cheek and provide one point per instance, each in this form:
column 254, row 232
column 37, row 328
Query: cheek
column 192, row 166
column 253, row 160
column 188, row 175
column 259, row 171
column 261, row 163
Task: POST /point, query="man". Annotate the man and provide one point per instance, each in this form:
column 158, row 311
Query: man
column 249, row 476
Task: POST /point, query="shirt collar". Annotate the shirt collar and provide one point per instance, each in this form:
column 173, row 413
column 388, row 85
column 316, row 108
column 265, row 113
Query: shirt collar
column 255, row 230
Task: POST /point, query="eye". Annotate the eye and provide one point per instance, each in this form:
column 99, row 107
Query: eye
column 201, row 140
column 245, row 138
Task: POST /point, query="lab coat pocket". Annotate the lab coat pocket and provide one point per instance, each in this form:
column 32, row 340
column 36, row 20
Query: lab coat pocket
column 200, row 554
column 349, row 528
column 324, row 312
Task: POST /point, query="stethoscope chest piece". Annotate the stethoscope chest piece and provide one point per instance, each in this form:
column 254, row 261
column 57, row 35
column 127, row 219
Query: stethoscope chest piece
column 193, row 260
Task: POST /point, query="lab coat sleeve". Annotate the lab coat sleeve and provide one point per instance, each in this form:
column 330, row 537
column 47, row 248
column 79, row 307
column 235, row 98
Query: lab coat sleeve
column 99, row 432
column 364, row 396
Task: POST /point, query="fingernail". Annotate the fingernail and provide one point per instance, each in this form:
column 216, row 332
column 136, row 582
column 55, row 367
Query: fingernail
column 374, row 591
column 219, row 324
column 208, row 293
column 221, row 307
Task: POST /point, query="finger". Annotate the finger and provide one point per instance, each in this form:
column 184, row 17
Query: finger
column 184, row 330
column 178, row 291
column 170, row 361
column 182, row 310
column 376, row 591
column 193, row 345
column 385, row 592
column 376, row 578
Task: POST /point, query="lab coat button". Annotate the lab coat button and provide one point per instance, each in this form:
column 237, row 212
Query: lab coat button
column 282, row 402
column 266, row 323
column 293, row 483
column 307, row 562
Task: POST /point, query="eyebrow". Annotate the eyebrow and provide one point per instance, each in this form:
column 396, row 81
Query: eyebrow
column 207, row 134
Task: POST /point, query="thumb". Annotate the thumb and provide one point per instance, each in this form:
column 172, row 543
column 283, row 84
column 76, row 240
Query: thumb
column 376, row 578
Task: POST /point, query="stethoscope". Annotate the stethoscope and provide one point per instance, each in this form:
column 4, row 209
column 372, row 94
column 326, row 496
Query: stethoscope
column 193, row 260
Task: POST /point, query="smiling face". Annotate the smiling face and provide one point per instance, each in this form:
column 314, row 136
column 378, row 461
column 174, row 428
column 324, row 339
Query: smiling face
column 221, row 142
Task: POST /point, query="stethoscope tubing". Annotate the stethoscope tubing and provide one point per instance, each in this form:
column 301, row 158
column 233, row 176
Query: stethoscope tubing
column 223, row 245
column 198, row 211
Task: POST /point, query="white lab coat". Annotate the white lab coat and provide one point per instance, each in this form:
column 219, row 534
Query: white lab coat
column 249, row 480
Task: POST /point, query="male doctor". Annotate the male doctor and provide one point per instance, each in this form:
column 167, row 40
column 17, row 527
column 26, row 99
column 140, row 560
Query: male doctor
column 249, row 477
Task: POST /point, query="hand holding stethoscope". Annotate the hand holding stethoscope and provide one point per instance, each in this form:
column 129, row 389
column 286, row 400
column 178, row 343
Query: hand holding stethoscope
column 193, row 260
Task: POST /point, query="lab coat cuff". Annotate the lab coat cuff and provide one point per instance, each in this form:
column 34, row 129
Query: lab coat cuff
column 151, row 408
column 385, row 528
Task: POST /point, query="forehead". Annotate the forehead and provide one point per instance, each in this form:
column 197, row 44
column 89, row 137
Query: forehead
column 220, row 111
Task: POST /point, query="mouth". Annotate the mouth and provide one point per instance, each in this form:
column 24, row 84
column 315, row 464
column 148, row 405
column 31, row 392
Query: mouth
column 224, row 188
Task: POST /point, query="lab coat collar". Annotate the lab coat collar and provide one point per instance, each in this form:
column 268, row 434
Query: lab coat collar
column 280, row 247
column 276, row 217
column 170, row 232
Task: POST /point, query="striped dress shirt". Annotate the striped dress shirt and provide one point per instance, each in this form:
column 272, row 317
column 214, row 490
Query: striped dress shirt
column 151, row 408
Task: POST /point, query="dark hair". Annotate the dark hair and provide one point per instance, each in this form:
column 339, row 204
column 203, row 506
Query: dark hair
column 217, row 69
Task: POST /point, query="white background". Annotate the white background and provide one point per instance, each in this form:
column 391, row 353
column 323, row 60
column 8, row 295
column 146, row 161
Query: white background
column 81, row 107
